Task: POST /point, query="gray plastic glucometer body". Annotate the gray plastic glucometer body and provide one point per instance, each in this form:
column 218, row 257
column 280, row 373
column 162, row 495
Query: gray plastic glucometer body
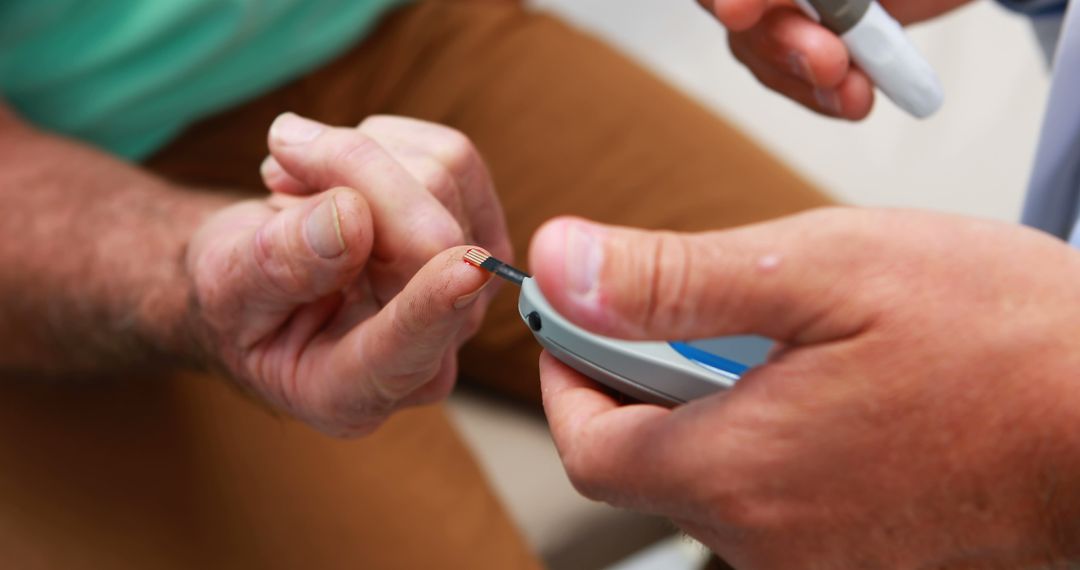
column 653, row 372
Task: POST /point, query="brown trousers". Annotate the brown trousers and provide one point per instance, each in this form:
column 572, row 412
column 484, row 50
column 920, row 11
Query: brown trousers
column 185, row 473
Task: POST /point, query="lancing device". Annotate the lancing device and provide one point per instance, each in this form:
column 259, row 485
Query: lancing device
column 663, row 373
column 880, row 47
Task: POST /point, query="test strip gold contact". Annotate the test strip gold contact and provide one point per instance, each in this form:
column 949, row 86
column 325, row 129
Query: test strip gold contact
column 482, row 259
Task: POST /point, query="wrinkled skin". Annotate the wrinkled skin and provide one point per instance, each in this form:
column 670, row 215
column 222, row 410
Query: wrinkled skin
column 343, row 296
column 922, row 412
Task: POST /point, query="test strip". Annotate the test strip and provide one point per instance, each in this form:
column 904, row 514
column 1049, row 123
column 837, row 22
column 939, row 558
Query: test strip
column 484, row 260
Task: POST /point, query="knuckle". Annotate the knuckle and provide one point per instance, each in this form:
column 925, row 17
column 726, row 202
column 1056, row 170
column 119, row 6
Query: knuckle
column 448, row 145
column 778, row 19
column 353, row 151
column 209, row 288
column 434, row 177
column 738, row 43
column 353, row 414
column 456, row 150
column 737, row 15
column 586, row 478
column 358, row 412
column 273, row 265
column 668, row 287
column 737, row 509
column 439, row 387
column 768, row 77
column 391, row 388
column 379, row 401
column 378, row 121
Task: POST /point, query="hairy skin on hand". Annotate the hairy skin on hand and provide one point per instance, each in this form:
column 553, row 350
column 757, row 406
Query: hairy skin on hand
column 92, row 250
column 339, row 297
column 924, row 412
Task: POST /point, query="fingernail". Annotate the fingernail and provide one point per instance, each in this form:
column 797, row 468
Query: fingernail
column 584, row 258
column 829, row 100
column 322, row 229
column 800, row 67
column 466, row 301
column 270, row 169
column 290, row 128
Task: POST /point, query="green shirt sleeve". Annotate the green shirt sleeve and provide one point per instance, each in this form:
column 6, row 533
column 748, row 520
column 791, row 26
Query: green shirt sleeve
column 129, row 75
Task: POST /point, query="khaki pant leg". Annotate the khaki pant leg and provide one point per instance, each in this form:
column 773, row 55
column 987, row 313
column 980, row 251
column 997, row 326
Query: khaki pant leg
column 156, row 473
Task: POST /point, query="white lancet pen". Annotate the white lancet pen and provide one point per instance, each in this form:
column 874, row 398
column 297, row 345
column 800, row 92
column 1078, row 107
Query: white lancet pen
column 879, row 45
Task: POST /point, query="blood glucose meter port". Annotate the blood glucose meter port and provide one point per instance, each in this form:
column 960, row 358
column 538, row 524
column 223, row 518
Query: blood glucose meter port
column 533, row 319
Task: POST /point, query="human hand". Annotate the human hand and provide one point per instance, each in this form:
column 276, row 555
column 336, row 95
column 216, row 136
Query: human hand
column 922, row 412
column 338, row 307
column 801, row 59
column 435, row 185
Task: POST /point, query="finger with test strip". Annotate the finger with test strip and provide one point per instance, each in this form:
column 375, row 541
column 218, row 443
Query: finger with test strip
column 282, row 299
column 406, row 354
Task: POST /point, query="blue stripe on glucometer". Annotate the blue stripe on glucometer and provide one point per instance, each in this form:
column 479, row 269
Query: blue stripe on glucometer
column 709, row 359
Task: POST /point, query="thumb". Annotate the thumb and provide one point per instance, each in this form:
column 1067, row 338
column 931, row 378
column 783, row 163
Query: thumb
column 794, row 280
column 306, row 250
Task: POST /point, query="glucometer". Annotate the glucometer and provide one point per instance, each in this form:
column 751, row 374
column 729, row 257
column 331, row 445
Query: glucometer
column 880, row 47
column 663, row 373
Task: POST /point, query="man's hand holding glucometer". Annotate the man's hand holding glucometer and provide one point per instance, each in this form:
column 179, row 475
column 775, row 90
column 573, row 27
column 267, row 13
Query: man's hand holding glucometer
column 923, row 411
column 802, row 59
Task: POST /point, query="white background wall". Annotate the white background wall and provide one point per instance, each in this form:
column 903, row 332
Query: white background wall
column 971, row 157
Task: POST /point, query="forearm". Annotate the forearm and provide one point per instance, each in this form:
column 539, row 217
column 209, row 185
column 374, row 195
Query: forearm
column 92, row 256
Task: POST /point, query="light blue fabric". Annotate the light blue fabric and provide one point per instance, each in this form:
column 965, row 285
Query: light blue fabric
column 1035, row 7
column 128, row 75
column 1052, row 202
